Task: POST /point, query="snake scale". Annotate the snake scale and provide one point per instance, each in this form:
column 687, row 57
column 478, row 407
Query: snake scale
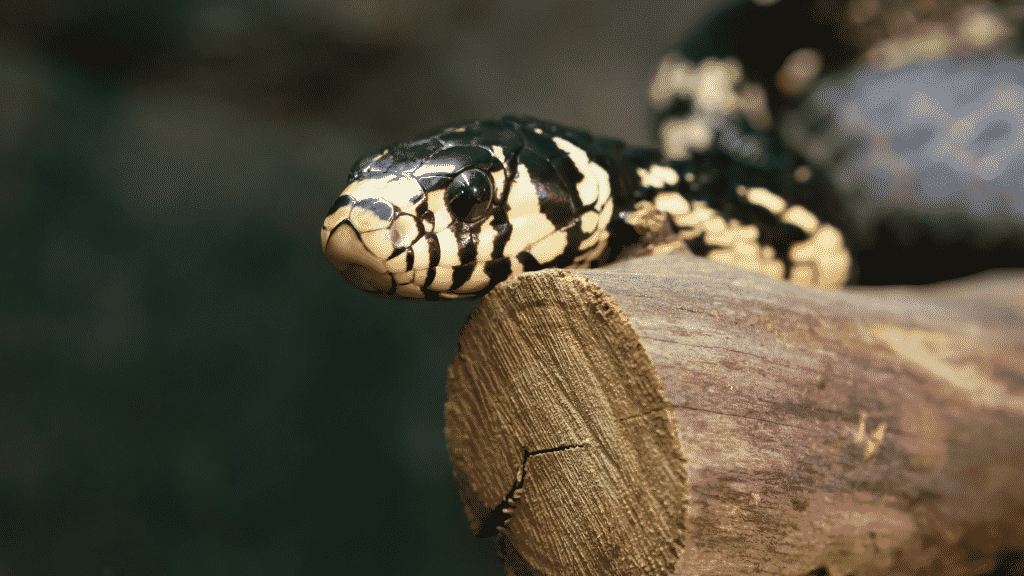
column 454, row 212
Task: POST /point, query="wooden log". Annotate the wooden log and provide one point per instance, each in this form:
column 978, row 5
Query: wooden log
column 677, row 416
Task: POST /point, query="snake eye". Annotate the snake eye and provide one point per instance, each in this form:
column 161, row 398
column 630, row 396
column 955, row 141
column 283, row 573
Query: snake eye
column 469, row 195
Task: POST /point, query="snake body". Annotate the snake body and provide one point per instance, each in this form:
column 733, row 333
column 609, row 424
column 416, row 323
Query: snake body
column 452, row 214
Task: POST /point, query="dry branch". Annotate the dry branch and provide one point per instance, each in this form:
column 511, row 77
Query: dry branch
column 677, row 416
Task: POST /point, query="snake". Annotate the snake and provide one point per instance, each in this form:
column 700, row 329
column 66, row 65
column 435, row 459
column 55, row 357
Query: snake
column 454, row 212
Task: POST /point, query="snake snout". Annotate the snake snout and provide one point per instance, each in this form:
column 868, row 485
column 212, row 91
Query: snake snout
column 366, row 232
column 344, row 248
column 360, row 243
column 347, row 254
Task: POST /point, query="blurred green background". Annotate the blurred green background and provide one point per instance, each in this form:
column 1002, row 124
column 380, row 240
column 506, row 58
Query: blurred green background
column 185, row 386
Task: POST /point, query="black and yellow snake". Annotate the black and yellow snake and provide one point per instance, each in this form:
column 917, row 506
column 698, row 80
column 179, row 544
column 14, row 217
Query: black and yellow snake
column 453, row 213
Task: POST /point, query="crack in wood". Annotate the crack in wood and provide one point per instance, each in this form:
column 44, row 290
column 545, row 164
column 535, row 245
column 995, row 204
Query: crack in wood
column 647, row 413
column 497, row 519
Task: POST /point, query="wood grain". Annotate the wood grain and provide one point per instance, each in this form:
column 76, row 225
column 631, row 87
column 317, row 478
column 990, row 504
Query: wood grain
column 672, row 415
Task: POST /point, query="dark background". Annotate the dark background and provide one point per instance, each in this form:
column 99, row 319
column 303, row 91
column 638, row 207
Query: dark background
column 185, row 386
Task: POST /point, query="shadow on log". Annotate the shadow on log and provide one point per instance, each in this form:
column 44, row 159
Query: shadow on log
column 672, row 415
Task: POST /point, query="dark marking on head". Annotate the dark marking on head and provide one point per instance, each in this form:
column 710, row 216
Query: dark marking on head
column 460, row 274
column 528, row 261
column 459, row 149
column 427, row 219
column 435, row 181
column 501, row 239
column 382, row 210
column 433, row 249
column 449, row 161
column 500, row 218
column 429, row 278
column 574, row 236
column 498, row 270
column 339, row 202
column 467, row 243
column 555, row 201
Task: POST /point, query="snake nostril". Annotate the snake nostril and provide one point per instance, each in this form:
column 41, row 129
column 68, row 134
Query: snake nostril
column 404, row 231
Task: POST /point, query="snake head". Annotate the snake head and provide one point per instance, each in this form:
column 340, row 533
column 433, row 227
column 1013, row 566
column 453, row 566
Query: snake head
column 451, row 214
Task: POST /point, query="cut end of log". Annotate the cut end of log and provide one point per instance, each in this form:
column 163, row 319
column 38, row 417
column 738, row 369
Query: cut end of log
column 567, row 450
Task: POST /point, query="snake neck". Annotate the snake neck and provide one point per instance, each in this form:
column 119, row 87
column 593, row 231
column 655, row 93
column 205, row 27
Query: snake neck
column 768, row 218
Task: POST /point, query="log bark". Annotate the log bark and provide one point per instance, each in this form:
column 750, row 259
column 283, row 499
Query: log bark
column 677, row 416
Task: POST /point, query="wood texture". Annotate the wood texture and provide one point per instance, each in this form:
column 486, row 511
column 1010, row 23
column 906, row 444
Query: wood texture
column 677, row 416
